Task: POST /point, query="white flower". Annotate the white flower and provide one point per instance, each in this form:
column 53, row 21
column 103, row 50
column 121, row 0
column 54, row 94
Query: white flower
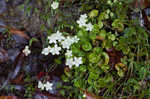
column 67, row 42
column 41, row 85
column 141, row 19
column 55, row 5
column 69, row 62
column 84, row 95
column 77, row 61
column 52, row 39
column 55, row 37
column 59, row 36
column 68, row 53
column 84, row 16
column 82, row 20
column 75, row 39
column 55, row 50
column 89, row 27
column 48, row 86
column 46, row 51
column 26, row 51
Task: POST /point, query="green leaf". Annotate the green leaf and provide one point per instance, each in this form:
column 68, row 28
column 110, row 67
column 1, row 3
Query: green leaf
column 82, row 34
column 105, row 68
column 120, row 73
column 96, row 28
column 58, row 61
column 94, row 58
column 97, row 50
column 111, row 14
column 62, row 92
column 102, row 34
column 112, row 37
column 106, row 57
column 83, row 68
column 64, row 78
column 100, row 24
column 101, row 82
column 32, row 40
column 93, row 75
column 93, row 13
column 87, row 46
column 76, row 83
column 101, row 16
column 117, row 24
column 92, row 36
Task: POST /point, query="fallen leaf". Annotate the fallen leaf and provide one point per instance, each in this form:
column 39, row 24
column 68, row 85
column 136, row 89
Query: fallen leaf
column 15, row 72
column 92, row 96
column 8, row 97
column 99, row 38
column 18, row 80
column 122, row 66
column 132, row 97
column 41, row 74
column 114, row 56
column 16, row 31
column 17, row 64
